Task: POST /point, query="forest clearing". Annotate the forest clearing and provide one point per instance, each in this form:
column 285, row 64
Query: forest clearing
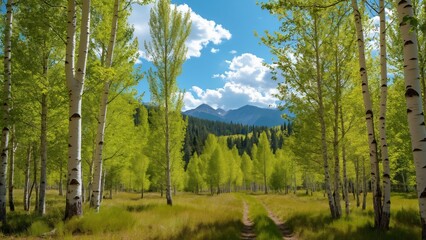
column 149, row 119
column 193, row 216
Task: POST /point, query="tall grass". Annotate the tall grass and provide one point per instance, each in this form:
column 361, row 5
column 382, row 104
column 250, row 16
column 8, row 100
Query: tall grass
column 309, row 217
column 265, row 227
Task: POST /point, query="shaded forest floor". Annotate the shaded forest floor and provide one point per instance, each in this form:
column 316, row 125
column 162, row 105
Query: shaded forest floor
column 193, row 216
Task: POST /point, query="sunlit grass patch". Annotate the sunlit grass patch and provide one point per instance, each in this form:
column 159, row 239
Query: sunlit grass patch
column 309, row 217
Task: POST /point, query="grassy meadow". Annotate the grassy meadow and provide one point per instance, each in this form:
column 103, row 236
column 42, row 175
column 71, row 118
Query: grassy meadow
column 210, row 217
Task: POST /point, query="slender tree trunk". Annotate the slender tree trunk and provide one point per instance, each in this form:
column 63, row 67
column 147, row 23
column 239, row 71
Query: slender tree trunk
column 364, row 186
column 75, row 82
column 12, row 171
column 337, row 186
column 264, row 174
column 104, row 174
column 404, row 182
column 61, row 177
column 95, row 198
column 385, row 218
column 7, row 81
column 166, row 116
column 331, row 202
column 27, row 179
column 357, row 181
column 414, row 103
column 35, row 183
column 375, row 176
column 345, row 177
column 43, row 154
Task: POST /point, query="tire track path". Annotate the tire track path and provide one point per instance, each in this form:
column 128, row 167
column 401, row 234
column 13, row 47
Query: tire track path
column 247, row 232
column 284, row 229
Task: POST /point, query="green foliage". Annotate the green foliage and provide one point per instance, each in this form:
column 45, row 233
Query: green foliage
column 38, row 228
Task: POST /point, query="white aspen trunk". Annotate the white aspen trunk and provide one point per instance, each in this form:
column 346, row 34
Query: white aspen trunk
column 369, row 117
column 35, row 183
column 6, row 108
column 96, row 186
column 385, row 218
column 345, row 177
column 75, row 83
column 364, row 186
column 12, row 171
column 27, row 179
column 357, row 181
column 43, row 156
column 415, row 113
column 331, row 202
column 337, row 186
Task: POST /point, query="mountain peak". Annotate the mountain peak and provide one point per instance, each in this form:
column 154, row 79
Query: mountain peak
column 247, row 115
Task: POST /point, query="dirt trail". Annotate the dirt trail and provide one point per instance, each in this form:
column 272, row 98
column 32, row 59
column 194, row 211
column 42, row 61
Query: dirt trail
column 284, row 229
column 248, row 230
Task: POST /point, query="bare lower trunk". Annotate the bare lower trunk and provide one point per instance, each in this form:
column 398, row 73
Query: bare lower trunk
column 364, row 186
column 43, row 156
column 61, row 178
column 35, row 183
column 75, row 83
column 331, row 202
column 357, row 181
column 27, row 180
column 12, row 171
column 369, row 117
column 345, row 177
column 7, row 81
column 415, row 113
column 385, row 218
column 95, row 198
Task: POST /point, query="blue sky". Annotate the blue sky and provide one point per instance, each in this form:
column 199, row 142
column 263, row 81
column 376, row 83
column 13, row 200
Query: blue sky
column 224, row 66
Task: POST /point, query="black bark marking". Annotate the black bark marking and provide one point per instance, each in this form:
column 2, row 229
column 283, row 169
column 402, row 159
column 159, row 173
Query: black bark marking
column 75, row 115
column 69, row 145
column 374, row 141
column 423, row 140
column 422, row 124
column 74, row 169
column 417, row 150
column 74, row 182
column 388, row 202
column 409, row 42
column 409, row 110
column 382, row 118
column 423, row 194
column 361, row 70
column 386, row 175
column 411, row 93
column 76, row 197
column 101, row 143
column 369, row 112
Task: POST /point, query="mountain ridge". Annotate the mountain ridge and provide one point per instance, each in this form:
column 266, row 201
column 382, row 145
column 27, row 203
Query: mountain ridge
column 246, row 115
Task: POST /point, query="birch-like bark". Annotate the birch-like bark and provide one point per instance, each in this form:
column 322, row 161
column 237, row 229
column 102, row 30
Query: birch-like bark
column 96, row 186
column 357, row 181
column 385, row 218
column 35, row 183
column 43, row 148
column 364, row 186
column 12, row 171
column 345, row 177
column 337, row 186
column 414, row 103
column 75, row 83
column 6, row 107
column 331, row 202
column 369, row 117
column 27, row 180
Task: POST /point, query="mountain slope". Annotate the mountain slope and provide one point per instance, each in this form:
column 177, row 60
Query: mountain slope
column 246, row 115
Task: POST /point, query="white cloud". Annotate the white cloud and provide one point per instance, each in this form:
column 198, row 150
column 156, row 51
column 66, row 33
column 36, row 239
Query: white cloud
column 247, row 81
column 233, row 52
column 203, row 31
column 214, row 50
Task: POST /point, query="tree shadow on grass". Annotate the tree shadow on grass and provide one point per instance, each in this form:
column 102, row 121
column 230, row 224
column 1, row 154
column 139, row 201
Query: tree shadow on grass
column 407, row 227
column 217, row 230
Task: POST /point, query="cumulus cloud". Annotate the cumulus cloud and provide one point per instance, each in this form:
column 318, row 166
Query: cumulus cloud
column 214, row 50
column 247, row 81
column 233, row 52
column 204, row 32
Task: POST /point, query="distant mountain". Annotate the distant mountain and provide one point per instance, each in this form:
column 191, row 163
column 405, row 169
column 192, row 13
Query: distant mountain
column 246, row 115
